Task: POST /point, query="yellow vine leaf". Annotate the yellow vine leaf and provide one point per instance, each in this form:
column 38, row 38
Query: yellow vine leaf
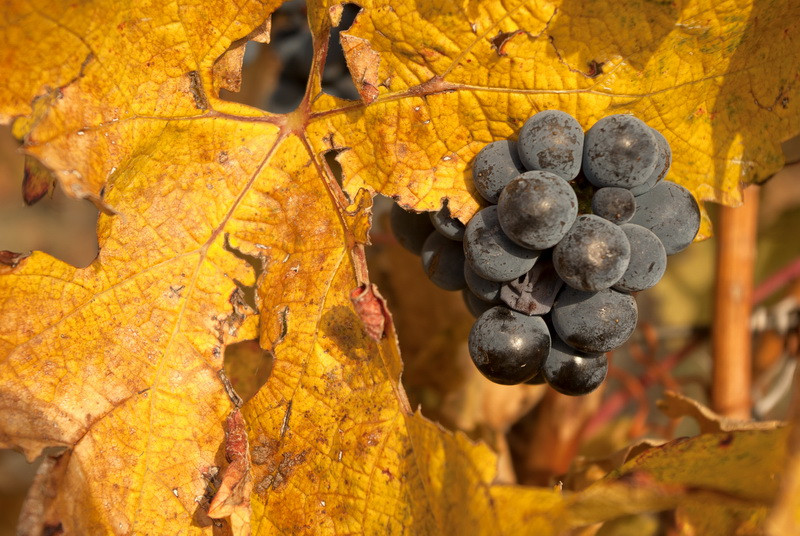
column 721, row 483
column 718, row 78
column 119, row 361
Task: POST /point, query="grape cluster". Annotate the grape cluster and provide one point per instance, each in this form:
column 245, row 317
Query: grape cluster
column 551, row 286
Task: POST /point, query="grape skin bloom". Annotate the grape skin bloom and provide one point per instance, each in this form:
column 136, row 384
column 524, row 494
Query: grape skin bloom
column 508, row 347
column 616, row 205
column 552, row 141
column 594, row 322
column 446, row 224
column 671, row 212
column 495, row 165
column 663, row 163
column 621, row 151
column 537, row 209
column 443, row 261
column 488, row 291
column 648, row 260
column 490, row 253
column 593, row 255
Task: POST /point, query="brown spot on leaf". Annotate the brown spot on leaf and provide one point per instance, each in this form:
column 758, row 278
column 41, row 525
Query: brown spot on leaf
column 726, row 441
column 197, row 91
column 37, row 181
column 280, row 469
column 595, row 69
column 263, row 453
column 500, row 41
column 11, row 259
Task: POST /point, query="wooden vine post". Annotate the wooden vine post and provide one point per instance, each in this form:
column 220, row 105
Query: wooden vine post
column 736, row 252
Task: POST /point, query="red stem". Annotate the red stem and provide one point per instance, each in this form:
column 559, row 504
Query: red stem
column 776, row 281
column 616, row 402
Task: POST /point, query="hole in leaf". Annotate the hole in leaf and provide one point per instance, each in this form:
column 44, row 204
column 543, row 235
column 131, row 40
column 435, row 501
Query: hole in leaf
column 56, row 224
column 273, row 76
column 336, row 78
column 293, row 51
column 791, row 150
column 256, row 263
column 247, row 366
column 260, row 71
column 336, row 168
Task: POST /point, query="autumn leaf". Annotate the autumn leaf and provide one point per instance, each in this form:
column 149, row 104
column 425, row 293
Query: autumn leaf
column 720, row 483
column 119, row 361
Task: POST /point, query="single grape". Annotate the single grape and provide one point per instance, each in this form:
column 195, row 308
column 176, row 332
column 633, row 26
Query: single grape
column 488, row 291
column 616, row 205
column 620, row 151
column 410, row 228
column 443, row 261
column 490, row 253
column 648, row 259
column 508, row 347
column 495, row 165
column 594, row 322
column 671, row 212
column 593, row 255
column 534, row 292
column 475, row 305
column 537, row 209
column 448, row 226
column 552, row 140
column 663, row 163
column 571, row 372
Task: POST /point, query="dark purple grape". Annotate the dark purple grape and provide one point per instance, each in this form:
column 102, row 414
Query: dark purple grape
column 648, row 260
column 410, row 228
column 495, row 165
column 448, row 226
column 488, row 291
column 619, row 151
column 443, row 261
column 508, row 347
column 571, row 372
column 616, row 205
column 475, row 305
column 594, row 322
column 671, row 212
column 534, row 292
column 552, row 140
column 537, row 209
column 662, row 165
column 593, row 255
column 490, row 253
